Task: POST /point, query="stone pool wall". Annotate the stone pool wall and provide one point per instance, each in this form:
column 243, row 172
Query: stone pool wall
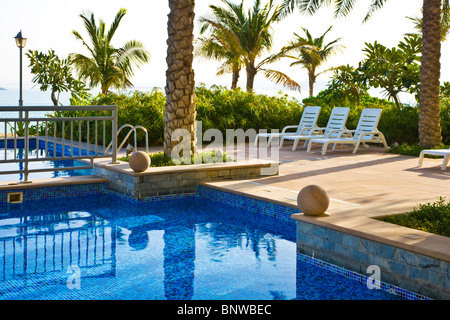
column 160, row 181
column 412, row 271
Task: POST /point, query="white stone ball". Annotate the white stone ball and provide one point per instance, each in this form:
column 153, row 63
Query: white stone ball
column 313, row 200
column 139, row 161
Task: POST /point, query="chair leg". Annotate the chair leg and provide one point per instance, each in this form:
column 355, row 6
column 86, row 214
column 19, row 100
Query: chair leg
column 256, row 140
column 422, row 154
column 356, row 148
column 445, row 161
column 281, row 142
column 294, row 146
column 309, row 146
column 383, row 141
column 324, row 148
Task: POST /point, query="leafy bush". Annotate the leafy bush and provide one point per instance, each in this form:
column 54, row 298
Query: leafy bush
column 158, row 159
column 430, row 217
column 224, row 109
column 414, row 149
column 138, row 109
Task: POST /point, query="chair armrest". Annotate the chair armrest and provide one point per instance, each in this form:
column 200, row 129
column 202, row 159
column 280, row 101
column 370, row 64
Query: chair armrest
column 341, row 132
column 311, row 129
column 288, row 127
column 367, row 133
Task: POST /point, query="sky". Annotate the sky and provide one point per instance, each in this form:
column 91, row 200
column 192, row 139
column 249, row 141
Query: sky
column 49, row 24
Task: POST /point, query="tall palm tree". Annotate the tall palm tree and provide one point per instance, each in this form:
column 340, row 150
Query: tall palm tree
column 107, row 66
column 430, row 132
column 218, row 47
column 180, row 82
column 311, row 54
column 248, row 35
column 445, row 21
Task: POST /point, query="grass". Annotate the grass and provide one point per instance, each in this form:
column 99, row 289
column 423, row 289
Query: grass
column 430, row 217
column 158, row 159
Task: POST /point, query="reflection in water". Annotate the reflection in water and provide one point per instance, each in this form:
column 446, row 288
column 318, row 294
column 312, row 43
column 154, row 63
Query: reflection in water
column 39, row 241
column 177, row 250
column 41, row 248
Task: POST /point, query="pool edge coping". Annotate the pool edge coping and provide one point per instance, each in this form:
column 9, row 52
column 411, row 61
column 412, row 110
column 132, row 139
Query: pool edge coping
column 371, row 227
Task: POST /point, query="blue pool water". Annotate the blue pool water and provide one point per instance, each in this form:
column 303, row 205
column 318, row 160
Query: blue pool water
column 190, row 248
column 38, row 150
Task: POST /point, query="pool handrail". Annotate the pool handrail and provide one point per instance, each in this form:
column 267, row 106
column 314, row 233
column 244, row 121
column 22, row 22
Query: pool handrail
column 133, row 129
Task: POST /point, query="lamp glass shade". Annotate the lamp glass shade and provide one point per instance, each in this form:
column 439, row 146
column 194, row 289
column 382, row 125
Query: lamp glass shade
column 20, row 41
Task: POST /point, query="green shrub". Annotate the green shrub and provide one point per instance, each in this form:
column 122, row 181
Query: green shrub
column 414, row 149
column 138, row 109
column 224, row 109
column 430, row 217
column 158, row 159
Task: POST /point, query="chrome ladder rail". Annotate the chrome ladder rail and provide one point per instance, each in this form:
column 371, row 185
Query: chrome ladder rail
column 133, row 129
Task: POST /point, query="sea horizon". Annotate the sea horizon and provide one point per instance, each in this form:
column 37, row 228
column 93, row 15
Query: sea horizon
column 33, row 96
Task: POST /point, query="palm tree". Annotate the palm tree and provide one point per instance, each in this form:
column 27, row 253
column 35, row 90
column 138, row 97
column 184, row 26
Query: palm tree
column 430, row 132
column 445, row 22
column 248, row 35
column 312, row 53
column 180, row 94
column 107, row 66
column 218, row 47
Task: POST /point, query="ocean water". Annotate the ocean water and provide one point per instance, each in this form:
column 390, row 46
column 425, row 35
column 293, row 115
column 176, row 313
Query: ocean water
column 30, row 96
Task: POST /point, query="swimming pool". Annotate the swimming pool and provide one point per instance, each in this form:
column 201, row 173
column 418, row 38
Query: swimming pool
column 39, row 150
column 108, row 247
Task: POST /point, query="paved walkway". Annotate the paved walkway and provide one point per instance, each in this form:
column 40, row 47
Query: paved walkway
column 361, row 186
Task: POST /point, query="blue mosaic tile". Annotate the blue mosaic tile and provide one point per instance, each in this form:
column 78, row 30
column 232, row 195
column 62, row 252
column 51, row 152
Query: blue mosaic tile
column 33, row 194
column 253, row 205
column 360, row 278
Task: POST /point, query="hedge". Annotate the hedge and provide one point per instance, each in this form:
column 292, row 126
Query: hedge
column 220, row 108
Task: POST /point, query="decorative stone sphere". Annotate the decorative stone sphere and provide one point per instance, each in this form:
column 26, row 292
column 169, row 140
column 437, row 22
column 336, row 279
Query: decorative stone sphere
column 313, row 200
column 139, row 161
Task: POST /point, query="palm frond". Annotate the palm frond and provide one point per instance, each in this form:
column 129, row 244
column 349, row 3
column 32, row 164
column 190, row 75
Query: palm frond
column 115, row 24
column 374, row 6
column 311, row 6
column 281, row 78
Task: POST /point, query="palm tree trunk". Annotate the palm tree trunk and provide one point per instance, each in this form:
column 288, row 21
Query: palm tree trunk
column 430, row 133
column 311, row 79
column 251, row 73
column 54, row 99
column 235, row 78
column 180, row 83
column 396, row 100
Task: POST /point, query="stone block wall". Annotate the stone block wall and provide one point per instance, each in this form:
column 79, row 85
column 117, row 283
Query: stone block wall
column 412, row 271
column 159, row 183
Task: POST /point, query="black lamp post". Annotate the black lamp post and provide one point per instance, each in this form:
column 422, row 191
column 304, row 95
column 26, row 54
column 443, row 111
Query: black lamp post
column 20, row 42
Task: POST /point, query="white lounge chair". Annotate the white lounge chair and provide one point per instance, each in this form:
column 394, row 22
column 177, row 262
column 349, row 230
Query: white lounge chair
column 336, row 123
column 436, row 152
column 307, row 122
column 366, row 131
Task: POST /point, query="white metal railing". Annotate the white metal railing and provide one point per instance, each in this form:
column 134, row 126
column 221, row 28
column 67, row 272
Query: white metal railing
column 72, row 134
